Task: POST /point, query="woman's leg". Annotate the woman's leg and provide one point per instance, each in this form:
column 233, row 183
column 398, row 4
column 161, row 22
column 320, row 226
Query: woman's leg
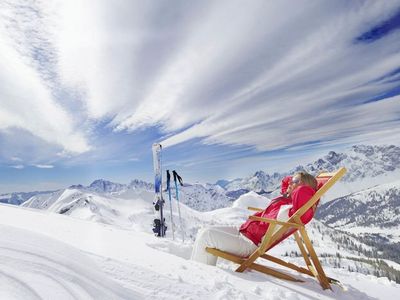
column 223, row 238
column 234, row 230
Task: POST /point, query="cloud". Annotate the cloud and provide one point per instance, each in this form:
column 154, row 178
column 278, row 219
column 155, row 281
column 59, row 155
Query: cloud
column 258, row 75
column 316, row 89
column 28, row 100
column 255, row 75
column 44, row 166
column 19, row 167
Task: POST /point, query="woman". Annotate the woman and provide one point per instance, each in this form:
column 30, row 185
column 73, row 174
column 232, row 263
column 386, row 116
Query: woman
column 243, row 241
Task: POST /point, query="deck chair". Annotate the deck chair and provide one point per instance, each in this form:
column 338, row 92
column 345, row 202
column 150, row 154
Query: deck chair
column 274, row 236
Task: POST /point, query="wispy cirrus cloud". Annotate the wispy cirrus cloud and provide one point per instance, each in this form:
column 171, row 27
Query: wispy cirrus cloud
column 27, row 88
column 44, row 166
column 85, row 81
column 19, row 167
column 232, row 73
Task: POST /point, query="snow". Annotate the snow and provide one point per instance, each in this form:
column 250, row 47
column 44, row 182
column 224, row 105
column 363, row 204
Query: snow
column 34, row 266
column 45, row 255
column 251, row 199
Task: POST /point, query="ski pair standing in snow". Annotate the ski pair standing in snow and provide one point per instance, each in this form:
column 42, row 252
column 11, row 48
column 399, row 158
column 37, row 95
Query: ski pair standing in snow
column 159, row 226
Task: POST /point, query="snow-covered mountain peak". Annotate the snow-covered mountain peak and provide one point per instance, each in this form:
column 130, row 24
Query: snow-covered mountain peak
column 362, row 162
column 374, row 207
column 140, row 184
column 105, row 186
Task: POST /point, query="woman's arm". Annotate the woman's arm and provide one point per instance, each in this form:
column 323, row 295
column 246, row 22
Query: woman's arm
column 300, row 196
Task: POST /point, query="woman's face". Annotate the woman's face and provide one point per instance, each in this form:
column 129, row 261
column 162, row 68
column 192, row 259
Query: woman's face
column 294, row 183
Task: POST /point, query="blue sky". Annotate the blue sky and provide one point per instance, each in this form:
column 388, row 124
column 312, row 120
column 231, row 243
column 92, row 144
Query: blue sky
column 227, row 87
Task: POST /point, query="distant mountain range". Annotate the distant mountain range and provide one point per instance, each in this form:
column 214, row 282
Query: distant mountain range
column 20, row 197
column 378, row 206
column 366, row 209
column 367, row 166
column 199, row 197
column 361, row 162
column 372, row 215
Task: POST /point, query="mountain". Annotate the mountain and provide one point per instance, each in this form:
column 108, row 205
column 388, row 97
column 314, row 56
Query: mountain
column 372, row 215
column 140, row 185
column 258, row 182
column 203, row 198
column 222, row 183
column 105, row 186
column 19, row 197
column 362, row 161
column 196, row 196
column 377, row 207
column 366, row 166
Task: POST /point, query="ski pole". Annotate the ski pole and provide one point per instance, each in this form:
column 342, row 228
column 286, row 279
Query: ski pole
column 170, row 202
column 176, row 178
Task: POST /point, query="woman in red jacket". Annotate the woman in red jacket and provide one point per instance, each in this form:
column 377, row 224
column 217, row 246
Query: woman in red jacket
column 243, row 241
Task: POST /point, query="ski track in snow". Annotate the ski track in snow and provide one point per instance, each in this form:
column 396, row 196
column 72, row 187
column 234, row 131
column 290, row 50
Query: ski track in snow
column 37, row 267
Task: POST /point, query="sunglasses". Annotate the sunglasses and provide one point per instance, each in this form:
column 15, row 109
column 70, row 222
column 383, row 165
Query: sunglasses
column 295, row 181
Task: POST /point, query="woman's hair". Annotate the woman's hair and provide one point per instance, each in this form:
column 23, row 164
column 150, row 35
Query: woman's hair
column 308, row 179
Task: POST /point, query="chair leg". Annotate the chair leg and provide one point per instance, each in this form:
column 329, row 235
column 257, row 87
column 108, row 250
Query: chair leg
column 247, row 262
column 304, row 252
column 323, row 280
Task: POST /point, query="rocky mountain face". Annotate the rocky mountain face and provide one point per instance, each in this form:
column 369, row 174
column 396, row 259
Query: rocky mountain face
column 259, row 182
column 377, row 206
column 361, row 161
column 371, row 215
column 203, row 198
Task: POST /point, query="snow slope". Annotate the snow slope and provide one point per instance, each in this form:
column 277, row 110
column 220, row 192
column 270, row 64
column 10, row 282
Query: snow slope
column 34, row 266
column 65, row 250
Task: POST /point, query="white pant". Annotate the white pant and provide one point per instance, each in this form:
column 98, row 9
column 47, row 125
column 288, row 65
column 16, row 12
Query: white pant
column 225, row 238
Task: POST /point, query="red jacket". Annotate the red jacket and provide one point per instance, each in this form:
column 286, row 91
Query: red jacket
column 255, row 230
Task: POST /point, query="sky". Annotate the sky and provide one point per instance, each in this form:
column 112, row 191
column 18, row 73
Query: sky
column 227, row 87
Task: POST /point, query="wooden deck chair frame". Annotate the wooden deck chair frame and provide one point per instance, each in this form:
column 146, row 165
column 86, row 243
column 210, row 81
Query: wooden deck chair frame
column 271, row 237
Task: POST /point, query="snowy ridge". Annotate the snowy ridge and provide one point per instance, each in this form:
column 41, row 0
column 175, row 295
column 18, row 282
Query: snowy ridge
column 20, row 197
column 203, row 198
column 377, row 206
column 374, row 210
column 366, row 166
column 197, row 196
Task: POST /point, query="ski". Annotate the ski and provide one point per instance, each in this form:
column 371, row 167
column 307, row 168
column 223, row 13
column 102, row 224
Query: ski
column 176, row 179
column 159, row 226
column 170, row 202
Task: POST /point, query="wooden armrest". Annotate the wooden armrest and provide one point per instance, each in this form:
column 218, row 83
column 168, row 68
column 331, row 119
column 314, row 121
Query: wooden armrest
column 272, row 221
column 254, row 208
